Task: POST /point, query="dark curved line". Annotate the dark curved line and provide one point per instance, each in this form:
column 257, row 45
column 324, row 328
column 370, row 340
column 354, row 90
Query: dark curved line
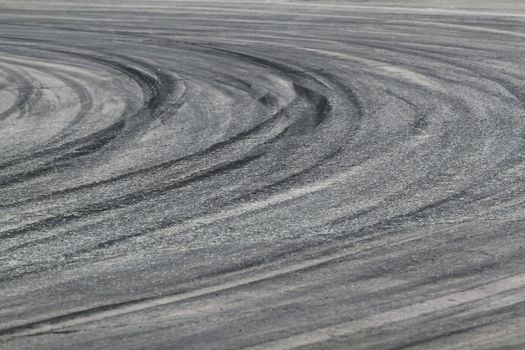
column 22, row 98
column 126, row 200
column 93, row 143
column 281, row 114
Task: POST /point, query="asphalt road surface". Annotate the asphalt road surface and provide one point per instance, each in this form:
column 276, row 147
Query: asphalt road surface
column 262, row 174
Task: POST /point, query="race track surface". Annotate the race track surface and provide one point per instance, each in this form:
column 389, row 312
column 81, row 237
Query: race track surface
column 262, row 174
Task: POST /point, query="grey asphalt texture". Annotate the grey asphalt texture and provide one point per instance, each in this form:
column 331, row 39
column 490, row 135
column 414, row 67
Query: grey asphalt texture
column 262, row 174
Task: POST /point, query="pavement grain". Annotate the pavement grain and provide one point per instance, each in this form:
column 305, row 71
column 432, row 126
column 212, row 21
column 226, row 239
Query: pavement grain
column 262, row 175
